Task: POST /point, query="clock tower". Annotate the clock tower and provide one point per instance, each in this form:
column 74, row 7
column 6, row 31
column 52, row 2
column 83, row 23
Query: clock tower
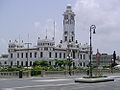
column 68, row 25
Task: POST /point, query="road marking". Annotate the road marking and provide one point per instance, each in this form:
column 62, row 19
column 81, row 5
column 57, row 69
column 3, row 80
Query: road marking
column 47, row 85
column 8, row 89
column 51, row 80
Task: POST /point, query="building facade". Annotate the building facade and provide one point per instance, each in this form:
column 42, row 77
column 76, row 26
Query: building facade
column 46, row 49
column 101, row 59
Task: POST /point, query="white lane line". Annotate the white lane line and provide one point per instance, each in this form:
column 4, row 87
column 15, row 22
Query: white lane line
column 52, row 80
column 47, row 85
column 8, row 89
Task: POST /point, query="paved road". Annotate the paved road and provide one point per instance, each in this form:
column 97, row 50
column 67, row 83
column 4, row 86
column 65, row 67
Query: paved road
column 56, row 83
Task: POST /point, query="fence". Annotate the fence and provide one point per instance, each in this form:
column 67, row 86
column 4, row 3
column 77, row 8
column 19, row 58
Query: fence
column 15, row 74
column 26, row 74
column 79, row 72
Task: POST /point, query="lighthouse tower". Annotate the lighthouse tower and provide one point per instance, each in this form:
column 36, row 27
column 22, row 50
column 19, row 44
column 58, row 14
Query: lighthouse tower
column 68, row 25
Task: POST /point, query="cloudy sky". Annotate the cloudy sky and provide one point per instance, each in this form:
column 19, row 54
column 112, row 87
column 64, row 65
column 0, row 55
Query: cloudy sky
column 18, row 18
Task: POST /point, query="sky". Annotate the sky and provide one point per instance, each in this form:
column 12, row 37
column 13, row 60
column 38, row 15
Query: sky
column 18, row 18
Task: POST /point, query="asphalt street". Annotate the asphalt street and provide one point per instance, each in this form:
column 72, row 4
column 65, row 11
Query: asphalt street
column 56, row 83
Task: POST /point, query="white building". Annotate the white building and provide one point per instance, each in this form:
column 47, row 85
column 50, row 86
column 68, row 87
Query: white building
column 46, row 49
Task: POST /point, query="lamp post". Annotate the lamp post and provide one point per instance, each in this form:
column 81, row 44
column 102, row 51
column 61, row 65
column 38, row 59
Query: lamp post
column 69, row 57
column 92, row 27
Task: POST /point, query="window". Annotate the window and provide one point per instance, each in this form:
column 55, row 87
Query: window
column 74, row 54
column 72, row 33
column 41, row 54
column 35, row 54
column 64, row 55
column 5, row 62
column 30, row 55
column 59, row 55
column 72, row 38
column 80, row 56
column 30, row 63
column 11, row 63
column 21, row 55
column 66, row 17
column 49, row 54
column 11, row 55
column 21, row 63
column 84, row 56
column 65, row 38
column 17, row 55
column 72, row 17
column 41, row 48
column 45, row 48
column 80, row 64
column 26, row 55
column 17, row 63
column 56, row 55
column 65, row 32
column 50, row 63
column 26, row 63
column 84, row 64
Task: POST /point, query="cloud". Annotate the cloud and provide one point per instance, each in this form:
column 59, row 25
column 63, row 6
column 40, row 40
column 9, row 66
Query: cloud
column 105, row 15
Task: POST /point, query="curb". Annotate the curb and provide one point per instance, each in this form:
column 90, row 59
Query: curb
column 92, row 80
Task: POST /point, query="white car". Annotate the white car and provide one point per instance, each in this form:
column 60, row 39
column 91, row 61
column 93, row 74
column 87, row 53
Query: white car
column 117, row 66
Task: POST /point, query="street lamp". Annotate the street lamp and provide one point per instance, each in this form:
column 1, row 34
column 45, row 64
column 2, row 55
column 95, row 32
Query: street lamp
column 69, row 64
column 69, row 57
column 92, row 27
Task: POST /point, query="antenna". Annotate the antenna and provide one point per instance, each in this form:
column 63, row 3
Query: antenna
column 54, row 30
column 46, row 34
column 19, row 39
column 28, row 37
